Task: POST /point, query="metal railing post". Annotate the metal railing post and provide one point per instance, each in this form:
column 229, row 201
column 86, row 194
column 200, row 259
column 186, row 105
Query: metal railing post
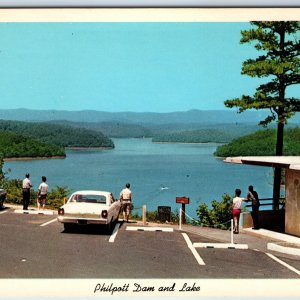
column 144, row 213
column 180, row 218
column 231, row 233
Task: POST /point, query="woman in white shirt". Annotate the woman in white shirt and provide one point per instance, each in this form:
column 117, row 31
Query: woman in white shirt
column 236, row 210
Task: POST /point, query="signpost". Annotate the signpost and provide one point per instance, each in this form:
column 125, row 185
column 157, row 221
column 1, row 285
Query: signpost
column 183, row 201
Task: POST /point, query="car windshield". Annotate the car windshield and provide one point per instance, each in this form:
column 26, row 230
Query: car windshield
column 89, row 198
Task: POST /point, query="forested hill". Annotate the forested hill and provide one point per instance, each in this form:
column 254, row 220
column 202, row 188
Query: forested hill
column 62, row 136
column 13, row 145
column 183, row 117
column 261, row 143
column 111, row 129
column 214, row 134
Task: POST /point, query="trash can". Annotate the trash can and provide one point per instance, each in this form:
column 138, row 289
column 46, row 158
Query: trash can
column 164, row 213
column 2, row 197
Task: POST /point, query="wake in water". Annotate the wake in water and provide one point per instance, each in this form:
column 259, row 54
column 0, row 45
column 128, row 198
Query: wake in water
column 163, row 187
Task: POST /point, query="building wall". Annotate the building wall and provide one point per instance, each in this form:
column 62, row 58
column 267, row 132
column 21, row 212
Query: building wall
column 268, row 219
column 292, row 202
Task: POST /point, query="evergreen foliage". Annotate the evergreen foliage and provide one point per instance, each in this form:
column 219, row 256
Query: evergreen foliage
column 14, row 145
column 206, row 135
column 219, row 215
column 56, row 197
column 111, row 129
column 13, row 187
column 279, row 44
column 261, row 143
column 280, row 61
column 60, row 135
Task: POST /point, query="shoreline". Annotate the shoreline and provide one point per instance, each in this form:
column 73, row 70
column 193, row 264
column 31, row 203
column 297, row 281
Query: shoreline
column 33, row 158
column 24, row 158
column 89, row 148
column 189, row 143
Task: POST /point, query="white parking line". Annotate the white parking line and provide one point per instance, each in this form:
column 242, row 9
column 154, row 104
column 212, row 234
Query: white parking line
column 3, row 212
column 284, row 264
column 45, row 224
column 114, row 234
column 195, row 253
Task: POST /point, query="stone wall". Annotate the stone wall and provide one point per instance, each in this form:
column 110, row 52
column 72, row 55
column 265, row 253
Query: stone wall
column 292, row 203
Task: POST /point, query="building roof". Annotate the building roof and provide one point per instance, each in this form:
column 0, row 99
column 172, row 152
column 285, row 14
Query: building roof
column 288, row 162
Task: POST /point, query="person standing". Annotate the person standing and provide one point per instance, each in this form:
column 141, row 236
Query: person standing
column 126, row 198
column 253, row 197
column 237, row 202
column 26, row 185
column 42, row 193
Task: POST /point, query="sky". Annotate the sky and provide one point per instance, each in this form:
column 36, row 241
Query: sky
column 141, row 67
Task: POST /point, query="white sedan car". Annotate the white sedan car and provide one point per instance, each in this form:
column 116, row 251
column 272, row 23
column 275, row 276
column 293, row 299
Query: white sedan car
column 90, row 207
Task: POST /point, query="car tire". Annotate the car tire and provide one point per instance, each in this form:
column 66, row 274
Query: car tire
column 109, row 228
column 111, row 225
column 68, row 226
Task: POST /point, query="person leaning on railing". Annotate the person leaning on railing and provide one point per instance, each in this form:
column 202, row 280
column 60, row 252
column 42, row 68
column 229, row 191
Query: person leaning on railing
column 253, row 197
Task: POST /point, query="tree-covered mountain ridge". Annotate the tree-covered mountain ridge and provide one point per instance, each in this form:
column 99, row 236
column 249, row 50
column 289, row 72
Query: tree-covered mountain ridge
column 222, row 133
column 183, row 117
column 59, row 135
column 262, row 143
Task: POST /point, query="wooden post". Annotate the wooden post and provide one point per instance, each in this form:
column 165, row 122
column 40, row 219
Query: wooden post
column 183, row 213
column 183, row 201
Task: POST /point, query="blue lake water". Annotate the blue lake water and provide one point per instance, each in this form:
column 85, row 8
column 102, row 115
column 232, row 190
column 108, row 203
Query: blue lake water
column 158, row 173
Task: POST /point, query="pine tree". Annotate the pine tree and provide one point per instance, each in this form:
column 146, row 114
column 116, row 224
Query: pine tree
column 279, row 44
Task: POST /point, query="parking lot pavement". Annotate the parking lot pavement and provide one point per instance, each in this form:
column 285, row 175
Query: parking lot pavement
column 37, row 246
column 257, row 241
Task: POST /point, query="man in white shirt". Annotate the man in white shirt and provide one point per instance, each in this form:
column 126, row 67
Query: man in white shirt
column 42, row 193
column 126, row 197
column 26, row 185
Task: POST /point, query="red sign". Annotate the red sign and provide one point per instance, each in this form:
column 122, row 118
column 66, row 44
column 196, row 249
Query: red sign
column 183, row 200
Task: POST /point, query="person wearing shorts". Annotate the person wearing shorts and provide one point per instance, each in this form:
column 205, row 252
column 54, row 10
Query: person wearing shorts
column 237, row 202
column 42, row 193
column 126, row 197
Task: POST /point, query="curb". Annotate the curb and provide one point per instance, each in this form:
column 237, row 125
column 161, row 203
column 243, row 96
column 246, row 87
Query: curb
column 33, row 212
column 273, row 235
column 137, row 228
column 220, row 245
column 279, row 247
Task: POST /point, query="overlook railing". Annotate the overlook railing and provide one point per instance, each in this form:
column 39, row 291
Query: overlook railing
column 267, row 202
